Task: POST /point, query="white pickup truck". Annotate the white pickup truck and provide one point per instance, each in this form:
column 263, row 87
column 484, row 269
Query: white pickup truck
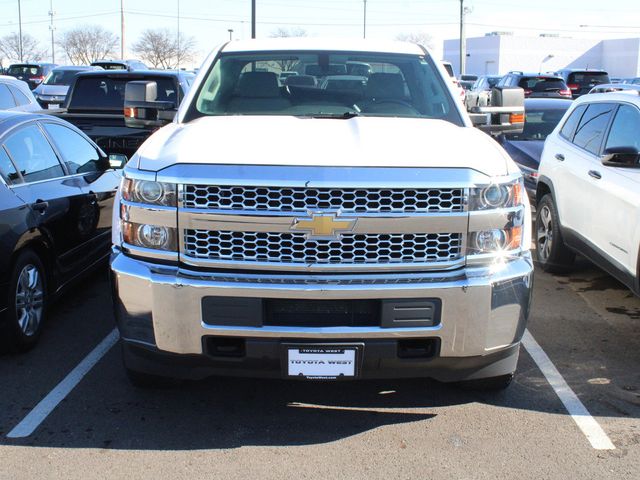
column 277, row 228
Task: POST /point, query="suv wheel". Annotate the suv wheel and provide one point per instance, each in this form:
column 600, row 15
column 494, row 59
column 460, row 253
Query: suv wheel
column 27, row 302
column 551, row 252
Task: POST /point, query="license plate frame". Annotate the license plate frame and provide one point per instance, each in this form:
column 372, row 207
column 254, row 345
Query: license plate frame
column 342, row 361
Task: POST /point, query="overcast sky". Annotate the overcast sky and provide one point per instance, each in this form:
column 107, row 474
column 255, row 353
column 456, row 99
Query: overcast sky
column 208, row 21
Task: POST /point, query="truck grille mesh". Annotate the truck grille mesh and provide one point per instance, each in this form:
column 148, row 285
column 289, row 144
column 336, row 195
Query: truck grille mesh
column 301, row 199
column 296, row 248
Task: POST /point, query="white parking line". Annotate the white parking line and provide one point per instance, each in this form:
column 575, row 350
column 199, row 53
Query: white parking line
column 592, row 430
column 42, row 410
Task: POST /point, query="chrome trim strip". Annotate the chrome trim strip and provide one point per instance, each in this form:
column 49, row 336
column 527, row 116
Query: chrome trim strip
column 149, row 214
column 495, row 218
column 149, row 253
column 337, row 267
column 371, row 223
column 322, row 332
column 325, row 176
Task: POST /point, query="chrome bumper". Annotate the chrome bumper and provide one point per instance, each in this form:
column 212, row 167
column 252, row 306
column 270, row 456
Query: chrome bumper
column 484, row 309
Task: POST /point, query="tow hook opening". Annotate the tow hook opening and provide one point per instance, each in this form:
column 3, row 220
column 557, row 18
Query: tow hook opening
column 418, row 348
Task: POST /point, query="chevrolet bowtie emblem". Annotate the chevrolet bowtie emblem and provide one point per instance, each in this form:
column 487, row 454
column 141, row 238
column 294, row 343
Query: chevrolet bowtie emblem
column 326, row 225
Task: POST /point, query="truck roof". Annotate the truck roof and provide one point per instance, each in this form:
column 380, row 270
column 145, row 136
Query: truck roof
column 321, row 44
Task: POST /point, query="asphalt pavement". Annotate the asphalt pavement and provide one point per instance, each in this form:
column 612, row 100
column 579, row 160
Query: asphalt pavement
column 586, row 323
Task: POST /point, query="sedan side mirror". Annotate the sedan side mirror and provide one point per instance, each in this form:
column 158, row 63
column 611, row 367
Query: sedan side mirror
column 141, row 107
column 625, row 157
column 117, row 161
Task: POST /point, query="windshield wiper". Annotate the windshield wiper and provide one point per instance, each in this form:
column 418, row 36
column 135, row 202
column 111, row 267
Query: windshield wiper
column 344, row 115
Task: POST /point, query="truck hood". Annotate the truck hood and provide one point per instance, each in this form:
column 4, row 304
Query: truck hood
column 359, row 141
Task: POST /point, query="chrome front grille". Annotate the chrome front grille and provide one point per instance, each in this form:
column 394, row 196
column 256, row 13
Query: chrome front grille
column 303, row 200
column 296, row 248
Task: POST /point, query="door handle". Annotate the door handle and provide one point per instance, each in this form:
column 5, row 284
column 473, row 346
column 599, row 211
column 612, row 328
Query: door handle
column 595, row 174
column 40, row 206
column 560, row 157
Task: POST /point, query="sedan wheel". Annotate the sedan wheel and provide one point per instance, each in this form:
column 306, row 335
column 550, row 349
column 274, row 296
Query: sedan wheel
column 29, row 300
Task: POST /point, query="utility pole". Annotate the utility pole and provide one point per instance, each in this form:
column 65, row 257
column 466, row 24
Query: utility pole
column 53, row 48
column 178, row 39
column 364, row 21
column 20, row 31
column 253, row 18
column 122, row 29
column 463, row 40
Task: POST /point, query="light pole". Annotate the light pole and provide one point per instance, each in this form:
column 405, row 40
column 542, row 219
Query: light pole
column 230, row 34
column 20, row 31
column 122, row 29
column 463, row 40
column 364, row 21
column 53, row 49
column 253, row 18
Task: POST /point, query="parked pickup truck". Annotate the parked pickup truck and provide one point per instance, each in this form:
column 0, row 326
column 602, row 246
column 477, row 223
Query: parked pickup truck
column 95, row 104
column 391, row 240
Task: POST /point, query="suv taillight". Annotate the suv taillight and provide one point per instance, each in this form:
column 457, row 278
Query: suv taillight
column 565, row 92
column 527, row 92
column 37, row 80
column 573, row 86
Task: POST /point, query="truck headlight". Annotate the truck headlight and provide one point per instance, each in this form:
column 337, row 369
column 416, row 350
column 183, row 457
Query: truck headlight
column 497, row 195
column 149, row 236
column 498, row 214
column 149, row 192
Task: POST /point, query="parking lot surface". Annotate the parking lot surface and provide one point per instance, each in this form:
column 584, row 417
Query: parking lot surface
column 586, row 323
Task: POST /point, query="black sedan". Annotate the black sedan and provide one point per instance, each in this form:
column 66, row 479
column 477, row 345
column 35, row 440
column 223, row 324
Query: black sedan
column 56, row 198
column 541, row 117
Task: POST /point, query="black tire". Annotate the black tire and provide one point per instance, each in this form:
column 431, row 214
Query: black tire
column 487, row 384
column 551, row 252
column 27, row 301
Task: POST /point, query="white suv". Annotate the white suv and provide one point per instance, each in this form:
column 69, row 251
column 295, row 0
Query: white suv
column 589, row 187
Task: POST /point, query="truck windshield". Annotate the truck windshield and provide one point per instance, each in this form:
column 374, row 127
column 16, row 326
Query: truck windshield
column 107, row 93
column 325, row 84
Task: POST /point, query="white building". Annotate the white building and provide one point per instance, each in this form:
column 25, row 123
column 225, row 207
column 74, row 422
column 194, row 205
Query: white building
column 500, row 52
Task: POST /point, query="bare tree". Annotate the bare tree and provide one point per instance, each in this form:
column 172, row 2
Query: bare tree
column 421, row 38
column 87, row 44
column 163, row 49
column 31, row 49
column 286, row 65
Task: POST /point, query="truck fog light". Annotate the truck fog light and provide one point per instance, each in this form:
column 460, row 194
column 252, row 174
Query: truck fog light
column 149, row 236
column 153, row 236
column 490, row 240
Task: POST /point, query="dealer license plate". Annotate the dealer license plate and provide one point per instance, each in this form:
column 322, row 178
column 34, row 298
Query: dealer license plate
column 322, row 363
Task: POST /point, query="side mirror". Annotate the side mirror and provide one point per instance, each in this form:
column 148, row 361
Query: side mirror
column 117, row 160
column 625, row 157
column 141, row 107
column 506, row 113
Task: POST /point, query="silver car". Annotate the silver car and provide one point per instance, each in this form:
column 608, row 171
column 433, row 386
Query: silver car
column 16, row 95
column 52, row 92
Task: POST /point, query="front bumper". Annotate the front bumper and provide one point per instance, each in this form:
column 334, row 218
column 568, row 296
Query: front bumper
column 483, row 315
